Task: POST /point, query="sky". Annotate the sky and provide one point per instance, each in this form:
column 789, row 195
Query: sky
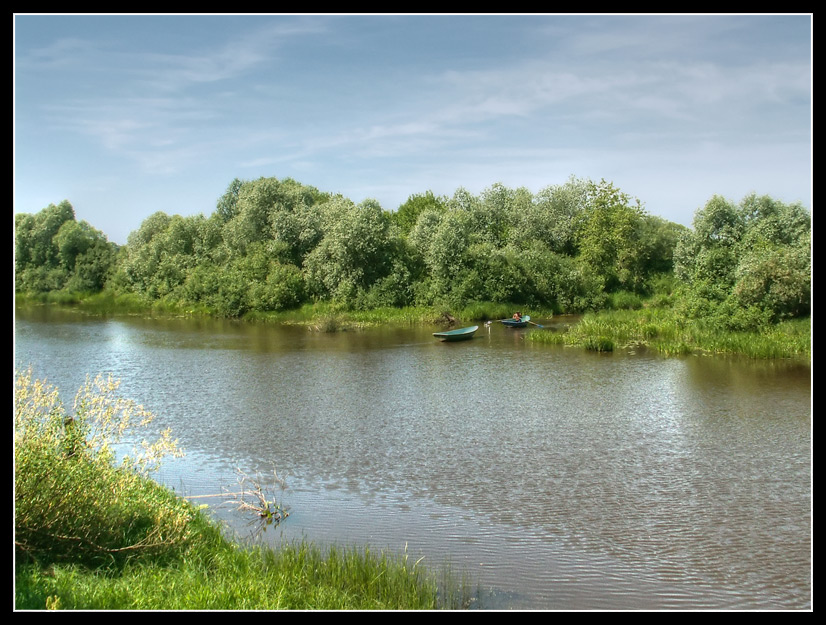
column 127, row 115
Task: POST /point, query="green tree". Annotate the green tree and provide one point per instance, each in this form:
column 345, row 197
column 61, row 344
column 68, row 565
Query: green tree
column 35, row 245
column 553, row 217
column 282, row 288
column 659, row 239
column 162, row 251
column 227, row 206
column 408, row 213
column 24, row 225
column 296, row 232
column 495, row 213
column 53, row 251
column 609, row 237
column 777, row 279
column 353, row 254
column 746, row 263
column 446, row 256
column 85, row 255
column 143, row 255
column 93, row 269
column 268, row 209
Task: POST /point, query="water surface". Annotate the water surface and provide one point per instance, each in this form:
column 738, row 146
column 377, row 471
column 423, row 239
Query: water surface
column 558, row 478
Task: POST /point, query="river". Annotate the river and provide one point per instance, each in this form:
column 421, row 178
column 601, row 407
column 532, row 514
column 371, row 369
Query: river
column 556, row 478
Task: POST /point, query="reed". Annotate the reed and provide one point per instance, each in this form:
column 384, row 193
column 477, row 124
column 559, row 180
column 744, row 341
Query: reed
column 662, row 330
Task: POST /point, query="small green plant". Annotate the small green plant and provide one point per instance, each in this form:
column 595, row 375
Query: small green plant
column 624, row 300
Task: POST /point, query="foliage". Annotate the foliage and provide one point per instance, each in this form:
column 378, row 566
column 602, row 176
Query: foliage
column 667, row 331
column 407, row 215
column 273, row 245
column 353, row 253
column 746, row 265
column 73, row 500
column 55, row 252
column 553, row 217
column 610, row 238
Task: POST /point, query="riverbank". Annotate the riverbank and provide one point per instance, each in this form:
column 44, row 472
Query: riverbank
column 93, row 534
column 320, row 316
column 647, row 324
column 221, row 576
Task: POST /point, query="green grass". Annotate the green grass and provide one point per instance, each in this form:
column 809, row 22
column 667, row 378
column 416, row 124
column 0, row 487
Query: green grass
column 661, row 330
column 222, row 576
column 327, row 317
column 106, row 303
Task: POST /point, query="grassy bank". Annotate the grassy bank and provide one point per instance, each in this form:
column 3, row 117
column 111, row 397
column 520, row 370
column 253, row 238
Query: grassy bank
column 93, row 533
column 324, row 316
column 662, row 330
column 219, row 576
column 632, row 321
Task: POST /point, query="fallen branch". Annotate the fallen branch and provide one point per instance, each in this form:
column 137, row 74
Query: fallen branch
column 256, row 500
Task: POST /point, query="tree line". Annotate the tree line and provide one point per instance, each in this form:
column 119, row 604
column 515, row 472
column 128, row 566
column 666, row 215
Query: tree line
column 275, row 244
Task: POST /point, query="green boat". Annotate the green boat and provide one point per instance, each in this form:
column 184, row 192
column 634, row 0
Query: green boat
column 517, row 323
column 462, row 334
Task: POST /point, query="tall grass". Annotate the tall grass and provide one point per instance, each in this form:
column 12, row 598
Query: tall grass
column 108, row 302
column 329, row 317
column 73, row 502
column 662, row 330
column 294, row 576
column 495, row 311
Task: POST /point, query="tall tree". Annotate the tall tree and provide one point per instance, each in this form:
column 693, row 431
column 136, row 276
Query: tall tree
column 609, row 237
column 408, row 213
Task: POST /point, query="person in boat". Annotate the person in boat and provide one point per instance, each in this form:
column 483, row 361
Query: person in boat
column 517, row 316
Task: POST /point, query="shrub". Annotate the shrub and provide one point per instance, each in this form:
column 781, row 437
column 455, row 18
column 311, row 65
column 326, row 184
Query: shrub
column 73, row 500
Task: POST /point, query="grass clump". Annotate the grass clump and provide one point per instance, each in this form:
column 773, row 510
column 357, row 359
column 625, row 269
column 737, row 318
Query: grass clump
column 662, row 329
column 598, row 344
column 95, row 532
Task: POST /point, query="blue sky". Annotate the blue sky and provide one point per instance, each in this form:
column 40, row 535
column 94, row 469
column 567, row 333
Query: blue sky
column 131, row 114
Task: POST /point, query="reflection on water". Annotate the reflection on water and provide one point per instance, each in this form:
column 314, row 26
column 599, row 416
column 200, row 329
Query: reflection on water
column 561, row 478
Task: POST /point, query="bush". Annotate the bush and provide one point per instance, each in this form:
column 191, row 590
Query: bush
column 73, row 501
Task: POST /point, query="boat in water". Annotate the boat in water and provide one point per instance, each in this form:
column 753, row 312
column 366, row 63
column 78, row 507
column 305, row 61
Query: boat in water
column 522, row 322
column 461, row 334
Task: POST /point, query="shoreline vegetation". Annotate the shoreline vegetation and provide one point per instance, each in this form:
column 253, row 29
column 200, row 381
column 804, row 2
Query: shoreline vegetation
column 92, row 533
column 636, row 323
column 737, row 282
